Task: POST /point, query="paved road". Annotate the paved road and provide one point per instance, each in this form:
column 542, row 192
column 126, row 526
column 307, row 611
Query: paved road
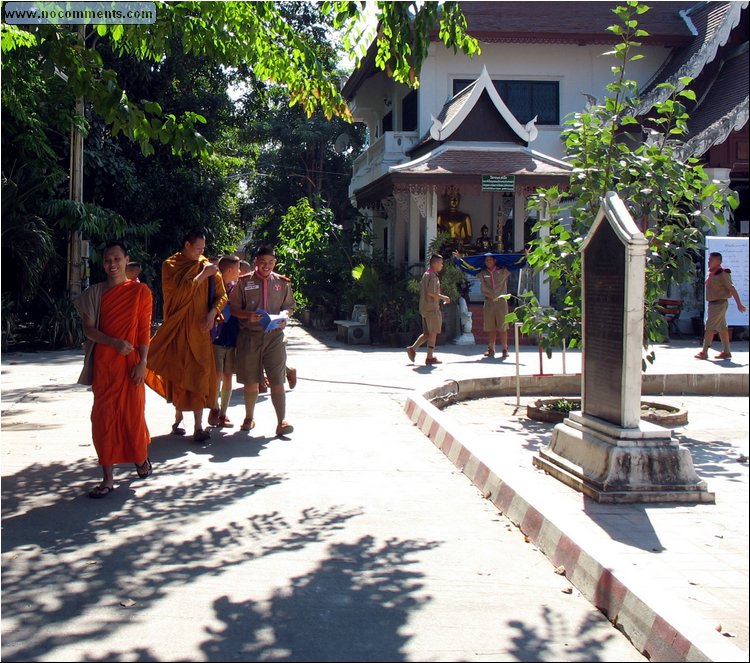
column 354, row 540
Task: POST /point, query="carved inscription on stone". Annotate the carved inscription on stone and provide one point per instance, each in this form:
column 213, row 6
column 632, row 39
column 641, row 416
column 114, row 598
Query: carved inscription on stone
column 603, row 328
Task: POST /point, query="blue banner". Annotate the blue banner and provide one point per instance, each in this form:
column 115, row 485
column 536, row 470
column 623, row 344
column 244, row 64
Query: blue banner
column 475, row 264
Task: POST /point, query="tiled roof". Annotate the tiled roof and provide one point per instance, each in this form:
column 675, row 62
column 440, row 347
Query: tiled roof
column 465, row 165
column 486, row 160
column 714, row 22
column 570, row 22
column 552, row 22
column 723, row 108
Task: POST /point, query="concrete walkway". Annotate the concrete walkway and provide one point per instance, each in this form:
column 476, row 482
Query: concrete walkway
column 356, row 539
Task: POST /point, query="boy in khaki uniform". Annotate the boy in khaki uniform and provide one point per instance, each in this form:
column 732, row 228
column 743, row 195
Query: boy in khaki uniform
column 429, row 308
column 493, row 282
column 259, row 351
column 719, row 288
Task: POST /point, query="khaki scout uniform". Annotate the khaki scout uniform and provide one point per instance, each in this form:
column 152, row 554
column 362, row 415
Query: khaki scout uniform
column 258, row 350
column 718, row 291
column 429, row 307
column 493, row 284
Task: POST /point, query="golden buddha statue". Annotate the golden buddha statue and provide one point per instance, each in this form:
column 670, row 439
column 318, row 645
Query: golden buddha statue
column 452, row 221
column 484, row 243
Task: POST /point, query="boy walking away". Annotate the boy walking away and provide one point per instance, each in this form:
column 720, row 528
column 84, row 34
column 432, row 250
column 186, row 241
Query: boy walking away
column 430, row 298
column 719, row 288
column 224, row 335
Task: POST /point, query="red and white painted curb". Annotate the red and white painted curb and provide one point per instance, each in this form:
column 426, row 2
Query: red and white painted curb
column 656, row 636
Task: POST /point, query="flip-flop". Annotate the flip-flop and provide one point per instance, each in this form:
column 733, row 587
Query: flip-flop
column 144, row 469
column 177, row 429
column 201, row 435
column 99, row 492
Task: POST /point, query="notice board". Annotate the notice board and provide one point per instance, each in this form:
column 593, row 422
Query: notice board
column 734, row 252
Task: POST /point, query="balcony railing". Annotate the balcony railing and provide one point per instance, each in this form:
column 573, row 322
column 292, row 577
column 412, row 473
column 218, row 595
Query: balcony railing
column 388, row 150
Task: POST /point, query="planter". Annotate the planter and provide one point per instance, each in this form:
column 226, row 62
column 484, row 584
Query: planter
column 656, row 413
column 540, row 410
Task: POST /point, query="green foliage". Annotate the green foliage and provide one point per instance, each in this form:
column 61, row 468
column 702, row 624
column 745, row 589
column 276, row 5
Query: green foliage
column 402, row 33
column 452, row 279
column 564, row 405
column 165, row 147
column 9, row 320
column 234, row 35
column 392, row 299
column 670, row 200
column 309, row 253
column 61, row 325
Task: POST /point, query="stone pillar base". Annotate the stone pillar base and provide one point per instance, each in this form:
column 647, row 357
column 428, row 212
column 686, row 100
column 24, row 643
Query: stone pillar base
column 621, row 465
column 464, row 339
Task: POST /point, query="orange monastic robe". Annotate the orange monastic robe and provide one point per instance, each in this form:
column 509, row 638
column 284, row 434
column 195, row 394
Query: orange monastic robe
column 181, row 366
column 118, row 420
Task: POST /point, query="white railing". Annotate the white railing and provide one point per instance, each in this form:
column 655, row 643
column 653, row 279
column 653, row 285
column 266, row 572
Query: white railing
column 388, row 150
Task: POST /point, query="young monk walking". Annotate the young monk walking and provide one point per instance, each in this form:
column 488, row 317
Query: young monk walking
column 181, row 366
column 116, row 317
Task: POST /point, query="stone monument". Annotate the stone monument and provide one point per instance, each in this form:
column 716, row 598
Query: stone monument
column 606, row 451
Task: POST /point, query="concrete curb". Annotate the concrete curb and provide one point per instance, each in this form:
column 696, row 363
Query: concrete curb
column 655, row 629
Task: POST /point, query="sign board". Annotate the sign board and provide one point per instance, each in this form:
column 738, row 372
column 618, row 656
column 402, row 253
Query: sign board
column 499, row 183
column 734, row 256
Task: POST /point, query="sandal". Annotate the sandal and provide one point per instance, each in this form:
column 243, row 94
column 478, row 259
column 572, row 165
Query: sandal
column 100, row 491
column 201, row 435
column 284, row 428
column 177, row 429
column 144, row 469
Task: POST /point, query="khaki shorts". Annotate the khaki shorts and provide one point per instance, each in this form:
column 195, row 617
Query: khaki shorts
column 716, row 318
column 258, row 353
column 432, row 323
column 225, row 359
column 494, row 315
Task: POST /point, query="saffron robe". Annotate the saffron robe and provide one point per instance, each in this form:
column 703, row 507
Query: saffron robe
column 118, row 419
column 181, row 366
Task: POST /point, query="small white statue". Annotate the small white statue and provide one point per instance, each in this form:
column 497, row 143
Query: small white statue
column 463, row 309
column 466, row 338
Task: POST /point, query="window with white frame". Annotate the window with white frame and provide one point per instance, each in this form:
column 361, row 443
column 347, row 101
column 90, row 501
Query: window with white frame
column 525, row 99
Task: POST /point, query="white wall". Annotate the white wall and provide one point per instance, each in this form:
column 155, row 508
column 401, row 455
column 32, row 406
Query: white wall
column 577, row 68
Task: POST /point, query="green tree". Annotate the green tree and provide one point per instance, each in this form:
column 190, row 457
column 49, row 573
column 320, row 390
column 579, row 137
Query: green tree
column 157, row 87
column 257, row 35
column 672, row 200
column 311, row 253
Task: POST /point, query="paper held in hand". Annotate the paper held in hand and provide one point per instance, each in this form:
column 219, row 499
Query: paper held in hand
column 271, row 321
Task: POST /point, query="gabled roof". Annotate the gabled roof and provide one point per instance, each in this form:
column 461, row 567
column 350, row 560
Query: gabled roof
column 570, row 22
column 470, row 158
column 723, row 108
column 716, row 64
column 712, row 24
column 464, row 164
column 457, row 109
column 551, row 23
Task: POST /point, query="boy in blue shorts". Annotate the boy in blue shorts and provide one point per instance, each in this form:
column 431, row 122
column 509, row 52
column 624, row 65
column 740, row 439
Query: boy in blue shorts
column 224, row 336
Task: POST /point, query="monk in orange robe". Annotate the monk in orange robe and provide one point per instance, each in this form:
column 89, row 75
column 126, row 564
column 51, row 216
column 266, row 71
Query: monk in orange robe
column 181, row 366
column 117, row 319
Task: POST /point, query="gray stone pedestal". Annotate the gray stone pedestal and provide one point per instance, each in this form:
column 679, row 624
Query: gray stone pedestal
column 614, row 465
